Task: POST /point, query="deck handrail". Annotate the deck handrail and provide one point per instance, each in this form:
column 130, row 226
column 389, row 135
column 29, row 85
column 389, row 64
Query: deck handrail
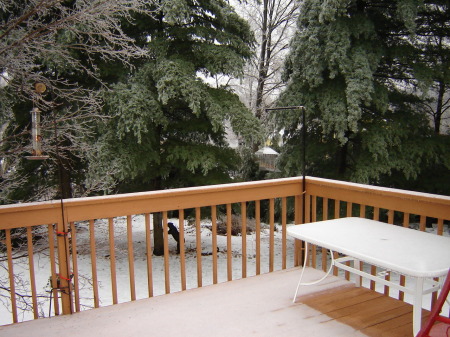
column 419, row 203
column 79, row 209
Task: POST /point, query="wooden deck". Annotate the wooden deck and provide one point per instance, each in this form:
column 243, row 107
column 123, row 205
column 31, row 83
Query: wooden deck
column 257, row 306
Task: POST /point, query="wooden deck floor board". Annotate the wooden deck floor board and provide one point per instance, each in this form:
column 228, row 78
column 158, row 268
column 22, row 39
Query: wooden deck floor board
column 364, row 310
column 348, row 300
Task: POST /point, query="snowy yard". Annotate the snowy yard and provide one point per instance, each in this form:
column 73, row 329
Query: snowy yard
column 43, row 271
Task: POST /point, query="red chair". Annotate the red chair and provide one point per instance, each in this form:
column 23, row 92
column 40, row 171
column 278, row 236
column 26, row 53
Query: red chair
column 442, row 328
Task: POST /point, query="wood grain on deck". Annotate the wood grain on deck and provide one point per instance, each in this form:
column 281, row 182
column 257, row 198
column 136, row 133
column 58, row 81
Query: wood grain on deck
column 367, row 311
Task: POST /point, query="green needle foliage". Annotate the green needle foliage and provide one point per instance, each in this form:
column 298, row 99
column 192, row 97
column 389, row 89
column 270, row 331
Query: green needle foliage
column 358, row 67
column 167, row 126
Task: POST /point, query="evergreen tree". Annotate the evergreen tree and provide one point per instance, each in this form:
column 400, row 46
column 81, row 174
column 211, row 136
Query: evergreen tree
column 168, row 124
column 354, row 65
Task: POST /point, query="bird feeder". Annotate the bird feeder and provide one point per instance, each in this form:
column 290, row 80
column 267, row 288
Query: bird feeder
column 267, row 158
column 36, row 128
column 36, row 136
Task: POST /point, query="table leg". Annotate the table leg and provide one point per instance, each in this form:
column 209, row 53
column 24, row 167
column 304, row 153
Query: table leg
column 417, row 305
column 303, row 270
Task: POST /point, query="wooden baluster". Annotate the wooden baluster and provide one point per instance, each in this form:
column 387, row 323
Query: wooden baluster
column 406, row 220
column 362, row 214
column 283, row 233
column 112, row 260
column 325, row 209
column 131, row 257
column 32, row 272
column 166, row 254
column 258, row 236
column 244, row 238
column 422, row 227
column 440, row 228
column 12, row 285
column 324, row 217
column 272, row 234
column 440, row 231
column 387, row 277
column 373, row 269
column 324, row 259
column 337, row 215
column 52, row 256
column 313, row 208
column 313, row 219
column 298, row 245
column 423, row 223
column 182, row 249
column 94, row 263
column 229, row 246
column 307, row 220
column 391, row 214
column 401, row 294
column 214, row 242
column 75, row 280
column 313, row 256
column 335, row 270
column 376, row 213
column 337, row 208
column 300, row 211
column 198, row 239
column 307, row 208
column 148, row 247
column 348, row 213
column 362, row 211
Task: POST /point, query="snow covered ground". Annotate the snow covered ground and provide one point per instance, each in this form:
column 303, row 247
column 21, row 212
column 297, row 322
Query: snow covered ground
column 43, row 271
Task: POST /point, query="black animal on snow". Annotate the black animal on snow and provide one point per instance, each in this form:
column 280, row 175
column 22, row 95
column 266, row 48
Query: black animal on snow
column 176, row 235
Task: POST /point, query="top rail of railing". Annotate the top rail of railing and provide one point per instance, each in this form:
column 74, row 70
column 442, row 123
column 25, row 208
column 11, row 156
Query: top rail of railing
column 426, row 204
column 79, row 209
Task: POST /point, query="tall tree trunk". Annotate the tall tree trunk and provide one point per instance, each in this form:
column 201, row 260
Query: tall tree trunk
column 262, row 69
column 439, row 108
column 342, row 157
column 158, row 235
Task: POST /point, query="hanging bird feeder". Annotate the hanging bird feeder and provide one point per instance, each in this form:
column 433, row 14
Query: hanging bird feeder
column 36, row 128
column 267, row 158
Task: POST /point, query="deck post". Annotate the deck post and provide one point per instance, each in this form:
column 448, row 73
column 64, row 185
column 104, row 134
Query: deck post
column 299, row 219
column 64, row 276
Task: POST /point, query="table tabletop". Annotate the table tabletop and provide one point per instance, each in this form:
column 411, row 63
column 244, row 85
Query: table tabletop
column 404, row 250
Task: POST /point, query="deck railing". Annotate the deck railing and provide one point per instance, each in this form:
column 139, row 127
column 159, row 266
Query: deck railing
column 65, row 241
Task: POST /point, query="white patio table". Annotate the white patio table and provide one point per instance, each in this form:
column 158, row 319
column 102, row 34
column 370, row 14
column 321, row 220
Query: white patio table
column 409, row 252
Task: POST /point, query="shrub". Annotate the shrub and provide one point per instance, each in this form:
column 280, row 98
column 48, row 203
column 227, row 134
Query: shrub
column 236, row 225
